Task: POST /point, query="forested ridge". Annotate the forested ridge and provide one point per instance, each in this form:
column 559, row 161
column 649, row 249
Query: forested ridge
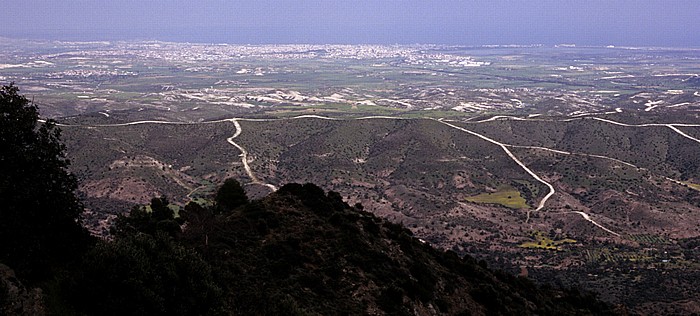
column 298, row 251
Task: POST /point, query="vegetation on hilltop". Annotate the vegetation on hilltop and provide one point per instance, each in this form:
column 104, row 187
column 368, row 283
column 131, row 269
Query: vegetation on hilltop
column 298, row 251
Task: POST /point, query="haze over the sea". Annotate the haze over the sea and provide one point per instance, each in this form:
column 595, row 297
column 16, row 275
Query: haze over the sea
column 590, row 22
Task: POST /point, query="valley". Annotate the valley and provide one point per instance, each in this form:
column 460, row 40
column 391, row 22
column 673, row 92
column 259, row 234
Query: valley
column 575, row 166
column 425, row 173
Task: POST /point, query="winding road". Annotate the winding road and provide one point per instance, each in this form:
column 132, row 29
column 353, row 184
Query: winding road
column 673, row 127
column 585, row 215
column 504, row 147
column 588, row 218
column 244, row 156
column 512, row 156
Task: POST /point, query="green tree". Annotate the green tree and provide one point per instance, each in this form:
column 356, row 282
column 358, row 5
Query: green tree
column 230, row 195
column 39, row 211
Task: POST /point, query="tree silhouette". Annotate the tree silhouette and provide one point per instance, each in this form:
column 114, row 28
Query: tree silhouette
column 39, row 224
column 230, row 195
column 161, row 218
column 160, row 209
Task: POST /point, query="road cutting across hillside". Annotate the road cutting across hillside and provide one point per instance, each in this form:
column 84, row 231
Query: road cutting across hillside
column 505, row 147
column 515, row 159
column 244, row 156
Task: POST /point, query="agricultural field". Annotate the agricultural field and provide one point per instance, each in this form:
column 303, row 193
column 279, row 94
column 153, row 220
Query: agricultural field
column 193, row 82
column 542, row 241
column 505, row 196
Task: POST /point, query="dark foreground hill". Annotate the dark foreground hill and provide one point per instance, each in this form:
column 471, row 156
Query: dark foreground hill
column 304, row 252
column 298, row 251
column 302, row 247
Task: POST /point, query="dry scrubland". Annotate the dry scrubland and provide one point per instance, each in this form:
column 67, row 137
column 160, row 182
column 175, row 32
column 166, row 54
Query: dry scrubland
column 452, row 189
column 483, row 133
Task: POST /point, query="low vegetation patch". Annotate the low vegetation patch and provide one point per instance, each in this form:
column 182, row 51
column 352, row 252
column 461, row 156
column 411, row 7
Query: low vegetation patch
column 542, row 241
column 693, row 186
column 648, row 239
column 506, row 196
column 614, row 256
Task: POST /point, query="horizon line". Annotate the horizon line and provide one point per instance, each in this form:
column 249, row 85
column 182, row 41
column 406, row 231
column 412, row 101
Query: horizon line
column 508, row 45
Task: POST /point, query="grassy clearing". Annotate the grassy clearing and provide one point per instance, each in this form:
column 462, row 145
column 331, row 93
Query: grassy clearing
column 330, row 109
column 436, row 114
column 174, row 207
column 506, row 196
column 542, row 241
column 350, row 111
column 202, row 201
column 693, row 186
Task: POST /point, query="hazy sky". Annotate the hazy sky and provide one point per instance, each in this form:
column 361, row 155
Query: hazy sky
column 585, row 22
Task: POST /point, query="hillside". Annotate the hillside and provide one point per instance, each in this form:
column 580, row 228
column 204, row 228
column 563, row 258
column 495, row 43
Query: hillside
column 331, row 257
column 302, row 251
column 624, row 198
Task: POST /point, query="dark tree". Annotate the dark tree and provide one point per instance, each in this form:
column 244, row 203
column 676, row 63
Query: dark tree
column 140, row 220
column 144, row 275
column 230, row 195
column 39, row 223
column 160, row 209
